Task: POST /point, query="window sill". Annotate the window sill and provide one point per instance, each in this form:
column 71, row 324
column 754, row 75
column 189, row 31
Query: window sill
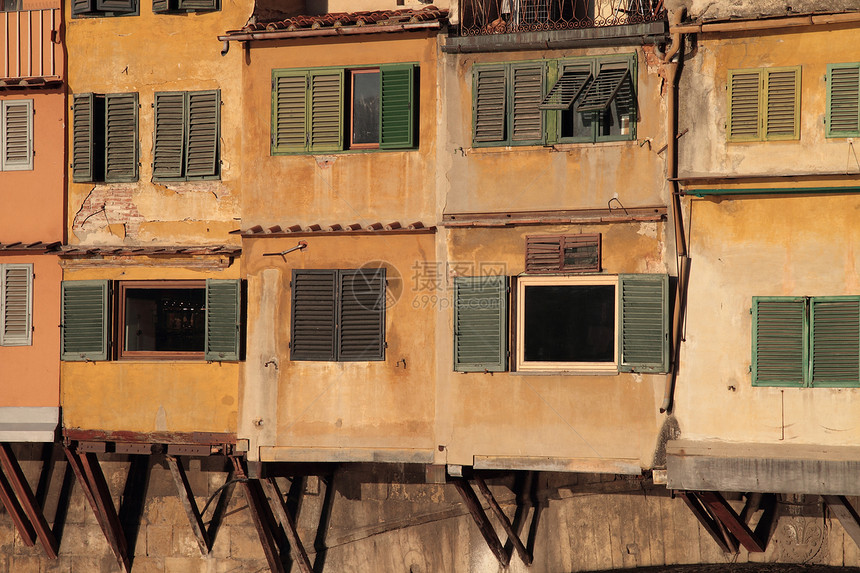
column 338, row 153
column 572, row 146
column 565, row 373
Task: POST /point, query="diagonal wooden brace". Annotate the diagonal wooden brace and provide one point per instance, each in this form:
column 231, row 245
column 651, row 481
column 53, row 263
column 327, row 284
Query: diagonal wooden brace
column 186, row 497
column 27, row 500
column 841, row 508
column 721, row 509
column 14, row 509
column 276, row 502
column 481, row 519
column 503, row 519
column 262, row 517
column 714, row 528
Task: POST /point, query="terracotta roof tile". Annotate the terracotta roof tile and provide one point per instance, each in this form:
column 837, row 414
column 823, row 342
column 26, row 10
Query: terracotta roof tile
column 332, row 228
column 81, row 250
column 37, row 247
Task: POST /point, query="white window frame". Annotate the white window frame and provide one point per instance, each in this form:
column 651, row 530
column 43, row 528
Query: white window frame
column 16, row 166
column 27, row 340
column 579, row 367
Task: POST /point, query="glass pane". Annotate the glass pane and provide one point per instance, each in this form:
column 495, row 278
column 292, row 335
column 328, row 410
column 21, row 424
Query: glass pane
column 165, row 319
column 575, row 124
column 570, row 323
column 365, row 108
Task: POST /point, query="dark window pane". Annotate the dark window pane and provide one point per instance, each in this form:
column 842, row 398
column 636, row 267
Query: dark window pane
column 574, row 323
column 575, row 124
column 165, row 320
column 365, row 108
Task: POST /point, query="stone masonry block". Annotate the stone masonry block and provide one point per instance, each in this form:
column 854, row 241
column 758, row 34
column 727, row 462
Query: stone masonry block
column 25, row 564
column 159, row 540
column 186, row 565
column 245, row 544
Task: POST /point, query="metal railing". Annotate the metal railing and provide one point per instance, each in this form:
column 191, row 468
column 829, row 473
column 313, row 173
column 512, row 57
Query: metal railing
column 482, row 17
column 30, row 49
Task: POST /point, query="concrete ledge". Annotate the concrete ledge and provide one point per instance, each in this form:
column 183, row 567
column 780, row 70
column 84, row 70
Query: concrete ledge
column 764, row 468
column 548, row 464
column 382, row 455
column 28, row 424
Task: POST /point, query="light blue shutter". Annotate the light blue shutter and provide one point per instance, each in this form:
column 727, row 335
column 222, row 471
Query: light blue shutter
column 223, row 319
column 480, row 324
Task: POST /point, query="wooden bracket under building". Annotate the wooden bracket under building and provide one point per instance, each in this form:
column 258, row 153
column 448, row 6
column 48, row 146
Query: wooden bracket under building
column 288, row 523
column 186, row 497
column 728, row 528
column 261, row 515
column 19, row 501
column 841, row 508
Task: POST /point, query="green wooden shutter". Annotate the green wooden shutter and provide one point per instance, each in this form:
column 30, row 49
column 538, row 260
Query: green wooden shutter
column 782, row 104
column 326, row 110
column 117, row 6
column 16, row 135
column 16, row 304
column 526, row 95
column 203, row 117
column 573, row 80
column 81, row 7
column 843, row 100
column 361, row 315
column 744, row 122
column 198, row 5
column 121, row 157
column 480, row 324
column 169, row 137
column 82, row 137
column 399, row 106
column 159, row 6
column 779, row 341
column 600, row 93
column 489, row 112
column 223, row 319
column 313, row 316
column 835, row 341
column 644, row 323
column 289, row 111
column 85, row 320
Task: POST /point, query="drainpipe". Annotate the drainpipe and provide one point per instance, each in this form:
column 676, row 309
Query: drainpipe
column 671, row 174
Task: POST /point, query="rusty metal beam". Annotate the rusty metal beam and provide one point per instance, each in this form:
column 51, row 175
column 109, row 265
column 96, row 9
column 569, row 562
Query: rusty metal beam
column 503, row 519
column 13, row 508
column 189, row 504
column 711, row 525
column 262, row 517
column 276, row 501
column 841, row 508
column 721, row 509
column 27, row 500
column 481, row 520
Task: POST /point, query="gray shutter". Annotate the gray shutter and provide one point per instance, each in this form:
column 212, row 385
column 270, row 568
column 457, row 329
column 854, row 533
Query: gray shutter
column 289, row 111
column 16, row 304
column 117, row 6
column 313, row 317
column 202, row 133
column 159, row 6
column 85, row 320
column 198, row 5
column 398, row 106
column 326, row 110
column 121, row 157
column 223, row 319
column 527, row 87
column 80, row 7
column 361, row 315
column 480, row 324
column 83, row 123
column 779, row 341
column 16, row 127
column 169, row 137
column 835, row 338
column 644, row 323
column 490, row 103
column 843, row 100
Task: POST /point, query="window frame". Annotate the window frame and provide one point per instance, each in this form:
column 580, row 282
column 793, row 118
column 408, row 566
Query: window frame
column 188, row 126
column 351, row 99
column 398, row 116
column 508, row 128
column 762, row 97
column 830, row 132
column 5, row 138
column 27, row 338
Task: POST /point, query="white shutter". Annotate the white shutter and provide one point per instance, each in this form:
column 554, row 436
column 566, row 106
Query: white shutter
column 16, row 304
column 16, row 135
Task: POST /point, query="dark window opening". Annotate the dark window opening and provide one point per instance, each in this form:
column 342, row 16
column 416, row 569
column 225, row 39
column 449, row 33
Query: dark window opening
column 169, row 319
column 569, row 323
column 366, row 99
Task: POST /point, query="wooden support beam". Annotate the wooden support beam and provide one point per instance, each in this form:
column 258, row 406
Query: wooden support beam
column 503, row 519
column 841, row 508
column 90, row 474
column 13, row 508
column 483, row 523
column 721, row 509
column 27, row 500
column 276, row 501
column 220, row 508
column 261, row 516
column 189, row 504
column 711, row 525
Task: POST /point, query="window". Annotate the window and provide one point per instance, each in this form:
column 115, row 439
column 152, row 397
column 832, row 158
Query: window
column 151, row 319
column 334, row 109
column 16, row 135
column 507, row 103
column 597, row 323
column 16, row 304
column 843, row 100
column 563, row 253
column 181, row 6
column 764, row 104
column 806, row 341
column 104, row 137
column 186, row 137
column 338, row 315
column 104, row 8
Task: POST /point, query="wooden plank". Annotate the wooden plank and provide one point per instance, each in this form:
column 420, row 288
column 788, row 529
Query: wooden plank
column 13, row 508
column 709, row 524
column 503, row 519
column 186, row 497
column 721, row 509
column 481, row 520
column 276, row 502
column 104, row 506
column 262, row 518
column 842, row 509
column 27, row 500
column 696, row 448
column 78, row 469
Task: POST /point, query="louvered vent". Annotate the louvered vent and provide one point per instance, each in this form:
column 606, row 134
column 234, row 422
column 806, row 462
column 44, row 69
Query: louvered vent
column 313, row 316
column 563, row 253
column 362, row 315
column 202, row 137
column 325, row 129
column 121, row 137
column 744, row 114
column 778, row 342
column 781, row 119
column 835, row 342
column 480, row 324
column 527, row 88
column 490, row 104
column 290, row 112
column 844, row 101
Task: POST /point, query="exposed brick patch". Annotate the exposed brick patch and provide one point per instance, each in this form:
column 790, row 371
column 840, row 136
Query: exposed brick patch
column 105, row 207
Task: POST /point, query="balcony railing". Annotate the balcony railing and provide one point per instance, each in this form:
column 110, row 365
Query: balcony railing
column 481, row 17
column 30, row 49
